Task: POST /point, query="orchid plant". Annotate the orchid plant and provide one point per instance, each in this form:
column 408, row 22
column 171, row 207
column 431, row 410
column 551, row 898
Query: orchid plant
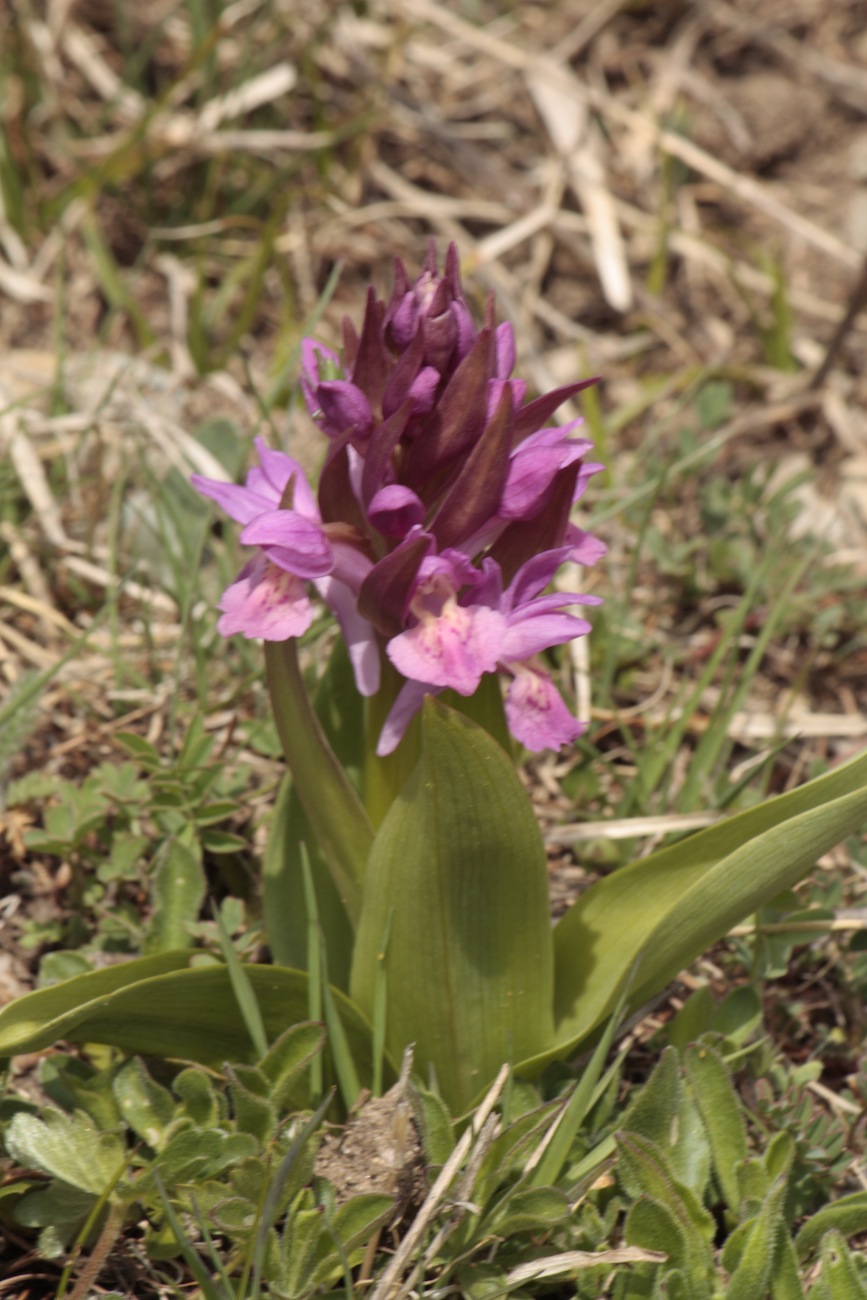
column 405, row 863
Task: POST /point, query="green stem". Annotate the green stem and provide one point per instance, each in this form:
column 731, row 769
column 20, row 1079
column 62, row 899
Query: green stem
column 342, row 827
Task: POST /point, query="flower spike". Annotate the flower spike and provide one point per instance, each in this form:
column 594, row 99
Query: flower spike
column 442, row 514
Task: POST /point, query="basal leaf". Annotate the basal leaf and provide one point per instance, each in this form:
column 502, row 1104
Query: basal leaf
column 332, row 803
column 338, row 706
column 190, row 1014
column 669, row 907
column 459, row 866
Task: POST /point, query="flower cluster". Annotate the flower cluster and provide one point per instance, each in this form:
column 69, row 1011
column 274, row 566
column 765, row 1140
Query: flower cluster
column 442, row 511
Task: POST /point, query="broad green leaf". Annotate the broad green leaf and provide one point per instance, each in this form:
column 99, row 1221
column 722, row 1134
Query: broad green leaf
column 482, row 1281
column 669, row 907
column 359, row 1218
column 715, row 1097
column 786, row 1277
column 27, row 1019
column 739, row 1015
column 194, row 1153
column 284, row 904
column 753, row 1184
column 459, row 865
column 253, row 1112
column 189, row 1014
column 693, row 1019
column 61, row 1211
column 342, row 827
column 199, row 1099
column 339, row 708
column 73, row 1084
column 654, row 1224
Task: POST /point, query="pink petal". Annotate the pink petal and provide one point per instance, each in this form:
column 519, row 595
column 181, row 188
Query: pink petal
column 404, row 709
column 278, row 468
column 298, row 544
column 530, row 636
column 240, row 503
column 585, row 548
column 265, row 602
column 360, row 637
column 536, row 713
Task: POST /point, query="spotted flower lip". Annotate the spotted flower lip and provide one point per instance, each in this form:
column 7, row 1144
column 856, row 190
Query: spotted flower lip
column 442, row 513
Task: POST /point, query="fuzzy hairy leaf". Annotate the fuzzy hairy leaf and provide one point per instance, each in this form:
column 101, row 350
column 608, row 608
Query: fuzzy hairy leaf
column 67, row 1147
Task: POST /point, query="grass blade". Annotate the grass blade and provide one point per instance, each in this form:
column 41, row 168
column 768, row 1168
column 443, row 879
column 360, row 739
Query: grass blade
column 245, row 995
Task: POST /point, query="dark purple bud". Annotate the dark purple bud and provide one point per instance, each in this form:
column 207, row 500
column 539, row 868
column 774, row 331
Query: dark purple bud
column 377, row 470
column 394, row 510
column 405, row 370
column 458, row 419
column 377, row 463
column 505, row 337
column 345, row 409
column 438, row 299
column 475, row 494
column 385, row 593
column 401, row 281
column 441, row 336
column 452, row 270
column 524, row 538
column 372, row 364
column 318, row 363
column 423, row 391
column 350, row 343
column 536, row 414
column 337, row 500
column 430, row 261
column 402, row 326
column 466, row 329
column 495, row 387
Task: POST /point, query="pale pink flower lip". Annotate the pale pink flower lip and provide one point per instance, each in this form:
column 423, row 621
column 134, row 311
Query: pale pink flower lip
column 265, row 602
